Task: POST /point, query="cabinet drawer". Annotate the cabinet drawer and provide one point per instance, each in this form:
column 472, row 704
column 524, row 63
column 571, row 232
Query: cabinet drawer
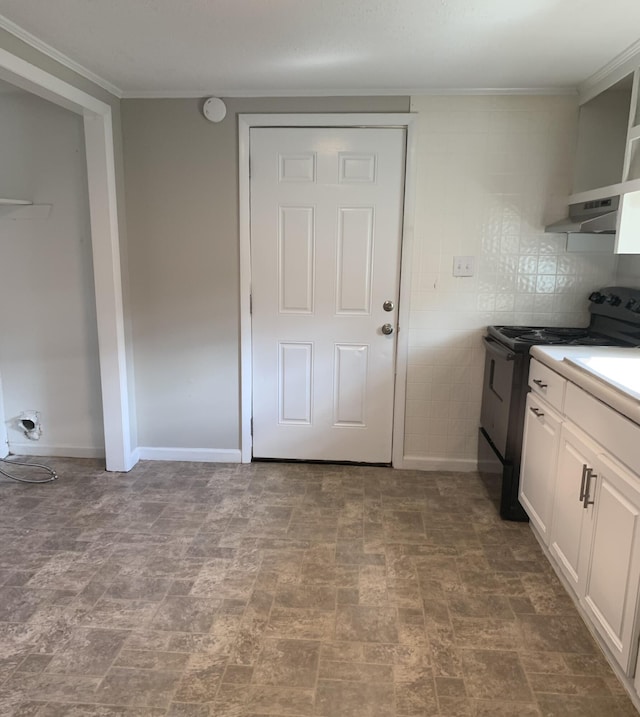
column 616, row 434
column 547, row 383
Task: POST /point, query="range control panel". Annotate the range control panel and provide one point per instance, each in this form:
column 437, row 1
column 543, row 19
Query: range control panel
column 622, row 298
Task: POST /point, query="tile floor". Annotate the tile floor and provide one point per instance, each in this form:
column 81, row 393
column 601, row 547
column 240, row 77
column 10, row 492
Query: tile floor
column 292, row 590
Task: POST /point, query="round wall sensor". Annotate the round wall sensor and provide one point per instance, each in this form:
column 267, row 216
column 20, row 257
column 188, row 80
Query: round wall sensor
column 214, row 109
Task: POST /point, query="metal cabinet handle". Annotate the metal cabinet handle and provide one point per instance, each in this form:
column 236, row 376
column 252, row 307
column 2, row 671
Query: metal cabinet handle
column 586, row 502
column 540, row 383
column 582, row 482
column 536, row 411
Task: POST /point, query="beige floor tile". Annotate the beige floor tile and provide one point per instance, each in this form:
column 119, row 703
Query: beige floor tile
column 492, row 674
column 283, row 590
column 366, row 624
column 289, row 663
column 354, row 699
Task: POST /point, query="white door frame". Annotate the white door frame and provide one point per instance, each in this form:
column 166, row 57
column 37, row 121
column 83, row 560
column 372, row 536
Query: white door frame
column 105, row 244
column 4, row 441
column 245, row 123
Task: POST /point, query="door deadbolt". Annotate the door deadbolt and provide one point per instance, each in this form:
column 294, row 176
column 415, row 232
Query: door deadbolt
column 388, row 305
column 387, row 329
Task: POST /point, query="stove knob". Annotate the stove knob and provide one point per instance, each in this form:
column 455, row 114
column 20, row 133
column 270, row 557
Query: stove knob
column 614, row 300
column 631, row 304
column 597, row 297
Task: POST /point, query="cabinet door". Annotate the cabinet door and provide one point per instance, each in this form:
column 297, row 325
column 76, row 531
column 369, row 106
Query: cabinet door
column 539, row 457
column 611, row 591
column 572, row 523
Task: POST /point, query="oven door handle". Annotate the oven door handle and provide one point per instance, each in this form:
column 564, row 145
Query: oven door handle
column 497, row 348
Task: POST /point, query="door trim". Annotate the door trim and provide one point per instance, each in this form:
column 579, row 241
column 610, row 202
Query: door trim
column 404, row 120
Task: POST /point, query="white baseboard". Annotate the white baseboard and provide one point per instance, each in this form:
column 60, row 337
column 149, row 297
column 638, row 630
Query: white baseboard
column 40, row 449
column 134, row 457
column 216, row 455
column 422, row 463
column 201, row 455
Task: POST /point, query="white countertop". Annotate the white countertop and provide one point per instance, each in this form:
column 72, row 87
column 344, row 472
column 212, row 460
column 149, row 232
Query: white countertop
column 610, row 374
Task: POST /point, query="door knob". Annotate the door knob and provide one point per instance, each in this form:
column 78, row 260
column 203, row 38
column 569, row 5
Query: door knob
column 387, row 329
column 388, row 305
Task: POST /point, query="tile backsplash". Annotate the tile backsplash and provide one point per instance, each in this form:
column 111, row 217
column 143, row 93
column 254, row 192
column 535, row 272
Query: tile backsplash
column 628, row 270
column 492, row 171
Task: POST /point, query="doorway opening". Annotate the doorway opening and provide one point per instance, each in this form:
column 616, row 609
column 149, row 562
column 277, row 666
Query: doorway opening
column 98, row 132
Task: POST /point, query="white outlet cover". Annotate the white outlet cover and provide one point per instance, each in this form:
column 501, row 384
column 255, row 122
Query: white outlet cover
column 464, row 265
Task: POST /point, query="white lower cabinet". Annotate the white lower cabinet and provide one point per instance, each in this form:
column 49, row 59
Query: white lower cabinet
column 584, row 504
column 611, row 589
column 537, row 471
column 572, row 518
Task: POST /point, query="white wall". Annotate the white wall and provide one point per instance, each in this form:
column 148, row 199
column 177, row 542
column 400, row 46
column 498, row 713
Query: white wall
column 482, row 150
column 493, row 170
column 181, row 175
column 48, row 337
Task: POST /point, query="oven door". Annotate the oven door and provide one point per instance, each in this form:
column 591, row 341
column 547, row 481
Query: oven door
column 500, row 479
column 497, row 392
column 490, row 467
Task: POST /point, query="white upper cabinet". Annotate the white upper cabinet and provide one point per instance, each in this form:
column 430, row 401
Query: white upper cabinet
column 628, row 234
column 607, row 161
column 608, row 155
column 631, row 170
column 603, row 124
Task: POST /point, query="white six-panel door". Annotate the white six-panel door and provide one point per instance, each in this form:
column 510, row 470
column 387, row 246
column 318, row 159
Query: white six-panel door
column 326, row 223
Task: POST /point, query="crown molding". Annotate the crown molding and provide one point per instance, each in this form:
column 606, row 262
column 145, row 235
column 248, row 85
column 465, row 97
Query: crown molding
column 413, row 92
column 497, row 91
column 173, row 94
column 610, row 73
column 58, row 56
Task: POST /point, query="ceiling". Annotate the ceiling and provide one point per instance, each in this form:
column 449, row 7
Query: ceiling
column 296, row 47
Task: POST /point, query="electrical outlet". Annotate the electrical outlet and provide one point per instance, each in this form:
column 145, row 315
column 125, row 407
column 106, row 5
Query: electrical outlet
column 464, row 265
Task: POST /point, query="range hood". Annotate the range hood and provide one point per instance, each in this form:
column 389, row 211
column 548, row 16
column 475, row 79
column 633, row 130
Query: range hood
column 596, row 217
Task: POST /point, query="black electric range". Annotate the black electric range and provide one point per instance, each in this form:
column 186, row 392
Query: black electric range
column 615, row 321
